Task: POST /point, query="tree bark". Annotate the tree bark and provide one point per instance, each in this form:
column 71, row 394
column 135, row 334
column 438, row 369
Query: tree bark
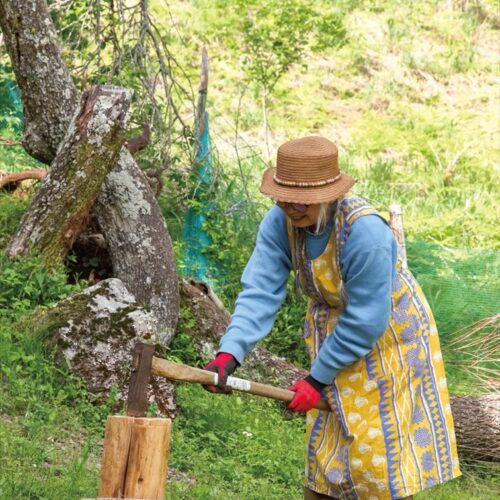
column 87, row 154
column 94, row 332
column 47, row 91
column 139, row 243
column 49, row 100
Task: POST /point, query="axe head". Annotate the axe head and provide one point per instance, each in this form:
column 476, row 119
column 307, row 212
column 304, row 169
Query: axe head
column 137, row 402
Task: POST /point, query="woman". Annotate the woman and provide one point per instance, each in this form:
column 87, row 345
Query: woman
column 370, row 334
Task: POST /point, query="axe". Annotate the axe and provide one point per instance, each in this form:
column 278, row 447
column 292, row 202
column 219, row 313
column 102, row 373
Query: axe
column 145, row 364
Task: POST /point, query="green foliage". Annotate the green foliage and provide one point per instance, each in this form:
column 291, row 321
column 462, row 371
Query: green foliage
column 49, row 435
column 274, row 36
column 25, row 284
column 11, row 211
column 13, row 157
column 182, row 349
column 286, row 337
column 11, row 118
column 462, row 286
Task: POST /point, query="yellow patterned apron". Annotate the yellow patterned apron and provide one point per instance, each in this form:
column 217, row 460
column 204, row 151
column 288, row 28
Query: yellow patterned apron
column 390, row 432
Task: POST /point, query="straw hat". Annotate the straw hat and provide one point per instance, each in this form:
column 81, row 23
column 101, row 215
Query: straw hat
column 307, row 171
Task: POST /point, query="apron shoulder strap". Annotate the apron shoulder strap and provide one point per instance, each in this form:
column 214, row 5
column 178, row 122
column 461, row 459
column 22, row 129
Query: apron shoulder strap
column 350, row 208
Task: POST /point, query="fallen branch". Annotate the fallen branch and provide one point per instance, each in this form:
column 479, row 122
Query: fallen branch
column 16, row 178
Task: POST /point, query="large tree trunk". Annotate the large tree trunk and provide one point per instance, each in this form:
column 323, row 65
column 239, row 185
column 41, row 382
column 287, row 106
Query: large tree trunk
column 139, row 243
column 48, row 94
column 89, row 151
column 49, row 101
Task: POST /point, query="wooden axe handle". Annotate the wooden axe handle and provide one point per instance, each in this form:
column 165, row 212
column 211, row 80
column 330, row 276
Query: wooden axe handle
column 185, row 373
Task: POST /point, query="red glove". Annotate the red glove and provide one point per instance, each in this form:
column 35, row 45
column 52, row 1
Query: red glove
column 307, row 394
column 224, row 364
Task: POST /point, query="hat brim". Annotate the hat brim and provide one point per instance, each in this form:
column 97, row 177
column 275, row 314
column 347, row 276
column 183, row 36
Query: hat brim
column 306, row 195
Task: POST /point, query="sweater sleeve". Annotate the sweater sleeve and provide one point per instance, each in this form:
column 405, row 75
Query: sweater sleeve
column 264, row 287
column 368, row 268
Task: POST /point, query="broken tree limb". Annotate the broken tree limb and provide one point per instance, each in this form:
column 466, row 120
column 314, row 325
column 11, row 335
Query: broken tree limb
column 14, row 178
column 87, row 154
column 49, row 100
column 137, row 143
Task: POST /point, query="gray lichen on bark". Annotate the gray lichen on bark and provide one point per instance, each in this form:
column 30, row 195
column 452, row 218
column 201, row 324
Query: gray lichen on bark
column 95, row 331
column 130, row 217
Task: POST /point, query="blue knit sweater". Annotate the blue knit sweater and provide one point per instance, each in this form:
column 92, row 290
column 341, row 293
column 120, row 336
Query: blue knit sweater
column 368, row 269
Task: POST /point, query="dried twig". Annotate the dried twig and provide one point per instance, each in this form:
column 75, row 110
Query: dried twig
column 9, row 142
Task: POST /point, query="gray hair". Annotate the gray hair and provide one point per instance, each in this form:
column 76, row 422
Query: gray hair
column 325, row 211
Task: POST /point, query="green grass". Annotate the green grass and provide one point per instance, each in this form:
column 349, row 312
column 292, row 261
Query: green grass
column 49, row 430
column 235, row 447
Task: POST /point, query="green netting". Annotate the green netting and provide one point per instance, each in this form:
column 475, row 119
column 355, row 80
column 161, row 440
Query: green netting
column 461, row 285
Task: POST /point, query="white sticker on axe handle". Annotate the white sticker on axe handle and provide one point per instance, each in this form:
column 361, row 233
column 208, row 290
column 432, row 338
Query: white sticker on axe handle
column 238, row 383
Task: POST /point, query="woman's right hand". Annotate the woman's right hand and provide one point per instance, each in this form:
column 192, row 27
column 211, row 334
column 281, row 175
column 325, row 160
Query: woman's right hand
column 224, row 365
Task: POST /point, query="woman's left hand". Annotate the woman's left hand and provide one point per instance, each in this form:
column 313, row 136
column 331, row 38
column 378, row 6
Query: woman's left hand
column 307, row 395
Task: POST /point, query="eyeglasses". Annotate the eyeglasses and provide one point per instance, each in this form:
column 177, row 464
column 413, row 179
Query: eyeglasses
column 299, row 207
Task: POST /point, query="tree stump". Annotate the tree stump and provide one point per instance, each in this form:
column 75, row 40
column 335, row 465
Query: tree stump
column 135, row 458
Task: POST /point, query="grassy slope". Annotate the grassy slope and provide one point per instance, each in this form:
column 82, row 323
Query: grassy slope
column 410, row 97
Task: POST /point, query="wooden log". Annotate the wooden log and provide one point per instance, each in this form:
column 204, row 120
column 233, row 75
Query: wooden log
column 115, row 456
column 135, row 458
column 148, row 458
column 88, row 153
column 477, row 426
